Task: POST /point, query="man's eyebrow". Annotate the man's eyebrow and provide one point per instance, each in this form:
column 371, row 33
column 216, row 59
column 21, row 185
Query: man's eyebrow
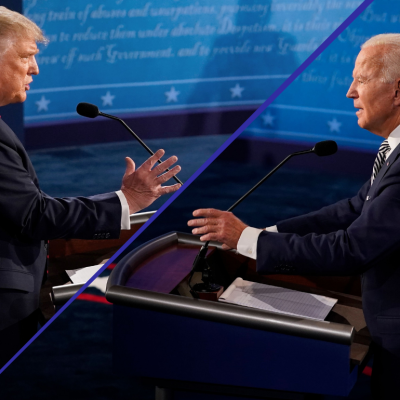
column 28, row 52
column 360, row 76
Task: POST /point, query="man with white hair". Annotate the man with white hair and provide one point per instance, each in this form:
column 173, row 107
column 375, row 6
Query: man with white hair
column 29, row 217
column 360, row 235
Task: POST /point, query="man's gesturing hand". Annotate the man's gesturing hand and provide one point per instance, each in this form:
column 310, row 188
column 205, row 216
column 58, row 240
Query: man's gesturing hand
column 143, row 185
column 221, row 226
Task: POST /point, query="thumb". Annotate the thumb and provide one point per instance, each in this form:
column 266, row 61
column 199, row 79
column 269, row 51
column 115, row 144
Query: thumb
column 130, row 166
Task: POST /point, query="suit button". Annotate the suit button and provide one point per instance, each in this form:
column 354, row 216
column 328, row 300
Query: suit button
column 107, row 236
column 95, row 236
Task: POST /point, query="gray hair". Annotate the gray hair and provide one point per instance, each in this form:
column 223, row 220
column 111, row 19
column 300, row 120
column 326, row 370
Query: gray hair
column 389, row 62
column 14, row 24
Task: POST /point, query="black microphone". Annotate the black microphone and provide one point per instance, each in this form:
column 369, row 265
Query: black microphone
column 324, row 148
column 91, row 111
column 87, row 110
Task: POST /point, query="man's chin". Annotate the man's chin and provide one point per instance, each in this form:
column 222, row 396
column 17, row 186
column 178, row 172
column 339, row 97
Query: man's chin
column 20, row 98
column 361, row 123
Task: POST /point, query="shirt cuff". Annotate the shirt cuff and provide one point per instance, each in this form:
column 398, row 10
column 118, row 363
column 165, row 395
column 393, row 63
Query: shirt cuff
column 125, row 220
column 247, row 244
column 272, row 229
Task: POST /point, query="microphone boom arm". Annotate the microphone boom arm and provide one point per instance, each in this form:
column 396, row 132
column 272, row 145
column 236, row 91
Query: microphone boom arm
column 267, row 176
column 137, row 138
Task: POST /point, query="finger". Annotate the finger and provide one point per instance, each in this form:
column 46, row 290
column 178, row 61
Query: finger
column 160, row 168
column 210, row 236
column 130, row 166
column 202, row 222
column 149, row 163
column 168, row 189
column 207, row 212
column 168, row 175
column 203, row 229
column 197, row 222
column 226, row 247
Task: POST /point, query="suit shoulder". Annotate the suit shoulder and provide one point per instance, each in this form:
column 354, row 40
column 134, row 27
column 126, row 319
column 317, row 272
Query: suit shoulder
column 7, row 136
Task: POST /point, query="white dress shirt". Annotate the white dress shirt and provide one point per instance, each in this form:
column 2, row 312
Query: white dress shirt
column 393, row 140
column 125, row 220
column 247, row 244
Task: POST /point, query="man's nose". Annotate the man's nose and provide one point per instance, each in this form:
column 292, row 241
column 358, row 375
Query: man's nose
column 33, row 67
column 352, row 92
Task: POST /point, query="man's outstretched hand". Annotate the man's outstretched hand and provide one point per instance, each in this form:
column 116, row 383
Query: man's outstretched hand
column 143, row 185
column 221, row 226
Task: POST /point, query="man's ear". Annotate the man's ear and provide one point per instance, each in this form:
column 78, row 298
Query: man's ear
column 397, row 93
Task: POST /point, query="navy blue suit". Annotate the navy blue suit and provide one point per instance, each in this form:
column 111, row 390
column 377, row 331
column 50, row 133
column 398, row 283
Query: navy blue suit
column 360, row 235
column 28, row 218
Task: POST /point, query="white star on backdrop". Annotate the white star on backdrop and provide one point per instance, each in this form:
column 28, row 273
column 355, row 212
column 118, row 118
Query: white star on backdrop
column 268, row 119
column 42, row 104
column 236, row 91
column 107, row 99
column 334, row 125
column 172, row 95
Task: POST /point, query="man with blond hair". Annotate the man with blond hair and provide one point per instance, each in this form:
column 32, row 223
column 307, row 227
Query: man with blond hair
column 29, row 217
column 360, row 235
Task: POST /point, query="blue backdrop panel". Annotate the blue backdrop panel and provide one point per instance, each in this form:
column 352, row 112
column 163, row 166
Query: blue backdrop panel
column 132, row 57
column 315, row 107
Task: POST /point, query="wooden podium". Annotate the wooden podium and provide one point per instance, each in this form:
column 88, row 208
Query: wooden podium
column 163, row 334
column 76, row 253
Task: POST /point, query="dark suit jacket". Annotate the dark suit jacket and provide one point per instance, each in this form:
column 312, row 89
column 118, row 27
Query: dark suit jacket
column 29, row 217
column 360, row 235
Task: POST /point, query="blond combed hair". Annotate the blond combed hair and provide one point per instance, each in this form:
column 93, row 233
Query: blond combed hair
column 390, row 59
column 14, row 24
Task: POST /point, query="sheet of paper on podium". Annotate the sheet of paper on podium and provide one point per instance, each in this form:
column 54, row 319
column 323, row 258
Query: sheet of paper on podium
column 82, row 275
column 277, row 299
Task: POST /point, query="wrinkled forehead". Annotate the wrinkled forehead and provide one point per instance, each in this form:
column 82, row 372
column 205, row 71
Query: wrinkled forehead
column 25, row 45
column 19, row 44
column 369, row 60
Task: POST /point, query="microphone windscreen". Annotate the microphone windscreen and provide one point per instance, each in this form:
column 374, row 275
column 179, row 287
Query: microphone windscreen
column 325, row 148
column 87, row 110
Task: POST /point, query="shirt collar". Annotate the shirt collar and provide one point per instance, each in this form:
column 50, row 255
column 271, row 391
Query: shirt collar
column 393, row 140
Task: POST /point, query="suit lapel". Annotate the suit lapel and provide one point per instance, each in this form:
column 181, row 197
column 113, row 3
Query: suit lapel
column 386, row 166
